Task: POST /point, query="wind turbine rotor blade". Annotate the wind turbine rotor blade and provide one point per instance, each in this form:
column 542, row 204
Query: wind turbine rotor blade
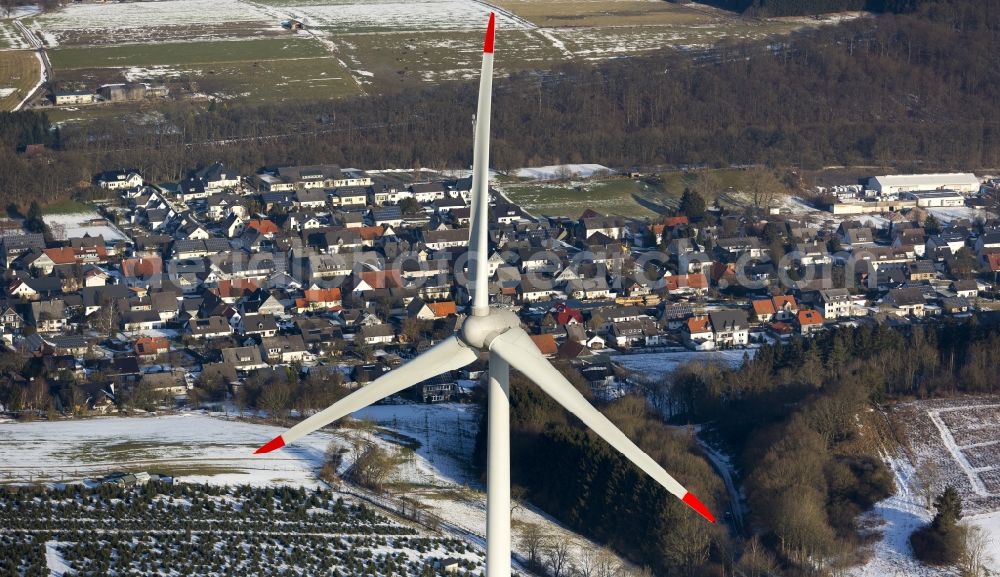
column 448, row 355
column 517, row 348
column 478, row 229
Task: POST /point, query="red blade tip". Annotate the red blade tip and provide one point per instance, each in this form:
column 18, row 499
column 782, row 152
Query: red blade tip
column 488, row 43
column 272, row 445
column 691, row 501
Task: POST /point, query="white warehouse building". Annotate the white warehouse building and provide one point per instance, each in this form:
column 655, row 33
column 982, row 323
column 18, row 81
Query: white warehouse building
column 895, row 184
column 937, row 198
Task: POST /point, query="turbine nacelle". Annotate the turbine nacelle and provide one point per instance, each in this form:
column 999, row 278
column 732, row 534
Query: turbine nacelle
column 479, row 332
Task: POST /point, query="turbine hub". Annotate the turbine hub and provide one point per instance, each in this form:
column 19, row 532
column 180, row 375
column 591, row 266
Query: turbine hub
column 479, row 332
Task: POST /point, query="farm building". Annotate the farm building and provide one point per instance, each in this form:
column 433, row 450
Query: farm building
column 129, row 92
column 62, row 98
column 899, row 183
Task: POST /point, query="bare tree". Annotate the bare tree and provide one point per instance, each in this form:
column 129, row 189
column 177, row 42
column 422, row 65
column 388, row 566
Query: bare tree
column 762, row 187
column 976, row 555
column 533, row 541
column 557, row 558
column 929, row 481
column 517, row 493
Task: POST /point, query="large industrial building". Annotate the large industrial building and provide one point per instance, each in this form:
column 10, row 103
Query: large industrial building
column 895, row 184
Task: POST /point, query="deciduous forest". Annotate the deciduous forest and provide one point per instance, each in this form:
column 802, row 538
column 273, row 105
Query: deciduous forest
column 913, row 91
column 789, row 416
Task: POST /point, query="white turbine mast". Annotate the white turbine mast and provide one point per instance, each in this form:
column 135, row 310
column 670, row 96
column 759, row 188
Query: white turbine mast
column 497, row 333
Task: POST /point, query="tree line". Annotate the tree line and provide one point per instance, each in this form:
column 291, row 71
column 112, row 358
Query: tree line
column 771, row 8
column 911, row 91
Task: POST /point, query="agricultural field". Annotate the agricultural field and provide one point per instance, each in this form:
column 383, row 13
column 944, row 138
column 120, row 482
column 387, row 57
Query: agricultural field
column 618, row 196
column 19, row 71
column 649, row 197
column 239, row 49
column 945, row 442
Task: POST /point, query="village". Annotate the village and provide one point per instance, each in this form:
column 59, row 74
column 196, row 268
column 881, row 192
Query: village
column 187, row 292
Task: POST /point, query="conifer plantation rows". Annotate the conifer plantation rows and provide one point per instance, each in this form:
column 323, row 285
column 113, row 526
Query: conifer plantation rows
column 160, row 529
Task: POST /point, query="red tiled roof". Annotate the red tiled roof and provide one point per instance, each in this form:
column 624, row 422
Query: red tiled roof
column 329, row 295
column 698, row 325
column 142, row 267
column 763, row 307
column 546, row 344
column 781, row 301
column 151, row 345
column 371, row 232
column 678, row 281
column 263, row 226
column 443, row 309
column 379, row 279
column 808, row 317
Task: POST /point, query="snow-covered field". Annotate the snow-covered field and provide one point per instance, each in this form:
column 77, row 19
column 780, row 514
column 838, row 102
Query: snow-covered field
column 560, row 170
column 195, row 447
column 66, row 226
column 659, row 365
column 354, row 15
column 951, row 442
column 132, row 21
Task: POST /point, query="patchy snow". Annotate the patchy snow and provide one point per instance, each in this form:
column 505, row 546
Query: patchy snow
column 67, row 226
column 554, row 172
column 54, row 561
column 199, row 447
column 420, row 15
column 659, row 365
column 5, row 92
column 946, row 215
column 896, row 518
column 989, row 524
column 446, row 433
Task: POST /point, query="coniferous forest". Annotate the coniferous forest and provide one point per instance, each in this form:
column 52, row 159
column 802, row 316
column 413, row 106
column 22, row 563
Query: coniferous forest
column 915, row 90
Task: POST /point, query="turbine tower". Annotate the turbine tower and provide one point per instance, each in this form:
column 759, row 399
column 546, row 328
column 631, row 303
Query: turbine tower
column 497, row 333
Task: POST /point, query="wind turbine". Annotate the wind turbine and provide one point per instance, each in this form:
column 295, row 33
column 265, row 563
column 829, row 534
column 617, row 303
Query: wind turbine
column 498, row 333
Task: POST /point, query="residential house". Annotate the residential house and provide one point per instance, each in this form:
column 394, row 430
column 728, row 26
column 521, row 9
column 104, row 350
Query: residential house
column 809, row 321
column 284, row 349
column 698, row 333
column 119, row 179
column 835, row 303
column 731, row 327
column 378, row 334
column 907, row 301
column 243, row 358
column 48, row 316
column 209, row 328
